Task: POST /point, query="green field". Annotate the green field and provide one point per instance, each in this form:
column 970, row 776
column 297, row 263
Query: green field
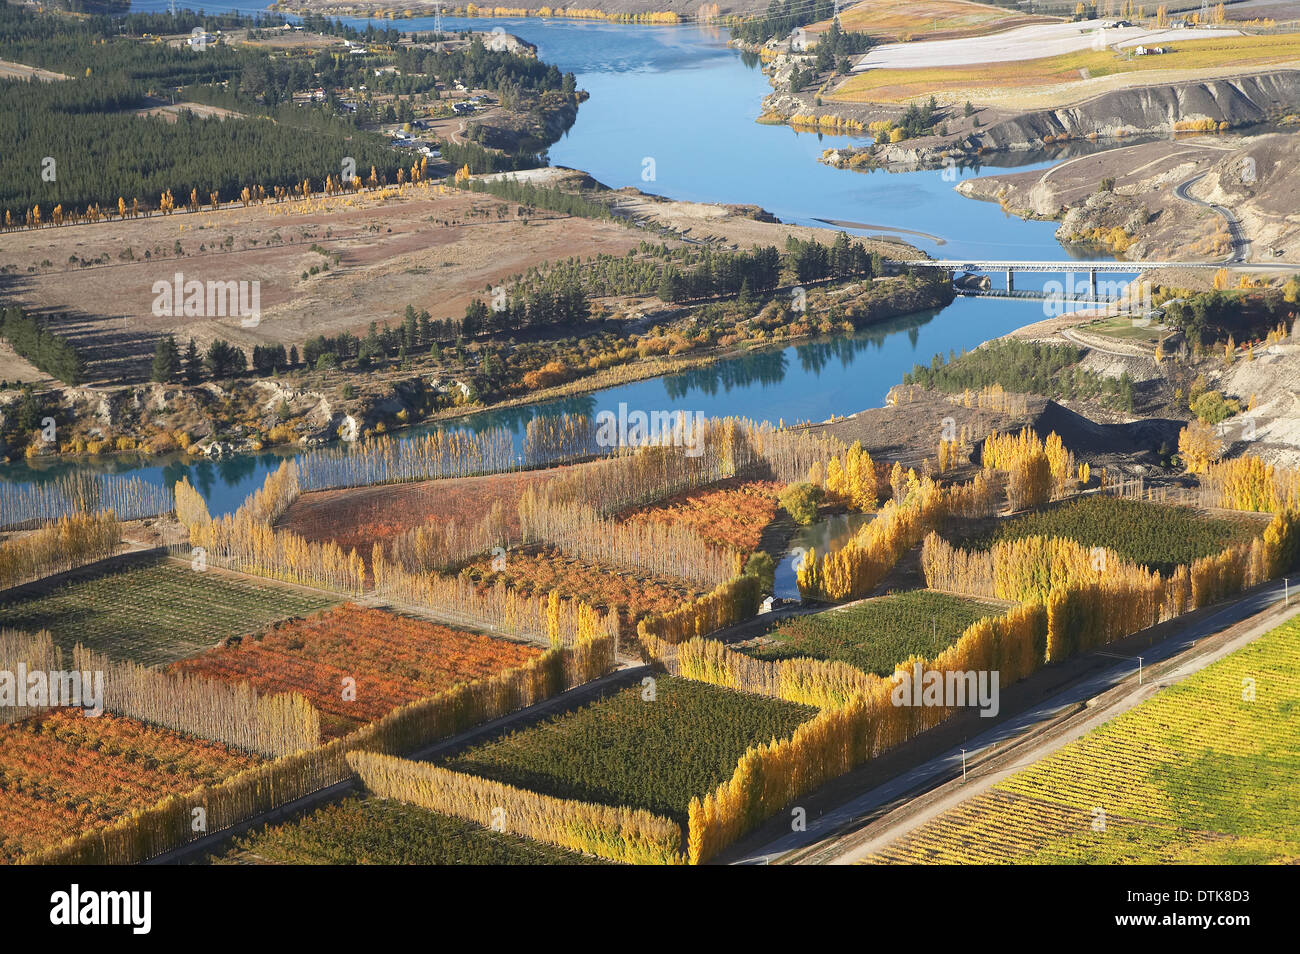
column 1160, row 536
column 623, row 750
column 156, row 612
column 376, row 831
column 877, row 634
column 1200, row 774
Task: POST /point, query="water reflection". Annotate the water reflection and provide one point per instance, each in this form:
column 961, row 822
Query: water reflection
column 825, row 536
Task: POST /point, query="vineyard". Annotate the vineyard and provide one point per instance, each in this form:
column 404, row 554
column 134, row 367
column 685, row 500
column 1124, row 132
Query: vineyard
column 535, row 571
column 376, row 831
column 1205, row 772
column 732, row 514
column 156, row 612
column 65, row 773
column 624, row 750
column 877, row 634
column 1158, row 536
column 391, row 660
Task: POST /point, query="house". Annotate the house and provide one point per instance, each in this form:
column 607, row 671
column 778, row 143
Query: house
column 1149, row 50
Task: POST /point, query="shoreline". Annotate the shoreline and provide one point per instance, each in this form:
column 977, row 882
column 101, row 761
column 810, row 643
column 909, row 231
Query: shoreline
column 578, row 387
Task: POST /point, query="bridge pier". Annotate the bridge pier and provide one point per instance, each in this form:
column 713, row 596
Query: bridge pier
column 1011, row 280
column 1092, row 283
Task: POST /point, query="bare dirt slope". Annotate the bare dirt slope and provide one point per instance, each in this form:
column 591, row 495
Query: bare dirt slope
column 1161, row 197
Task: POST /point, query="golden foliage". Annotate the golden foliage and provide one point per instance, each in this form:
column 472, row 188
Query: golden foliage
column 623, row 834
column 62, row 545
column 724, row 605
column 861, row 721
column 851, row 479
column 1247, row 483
column 1036, row 470
column 1199, row 446
column 857, row 567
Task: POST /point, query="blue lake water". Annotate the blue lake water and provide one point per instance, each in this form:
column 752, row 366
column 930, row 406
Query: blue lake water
column 680, row 97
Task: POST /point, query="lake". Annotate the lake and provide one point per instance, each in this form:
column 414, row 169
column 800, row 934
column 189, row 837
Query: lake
column 681, row 98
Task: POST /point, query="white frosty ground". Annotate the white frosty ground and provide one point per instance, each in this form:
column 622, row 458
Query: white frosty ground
column 1023, row 43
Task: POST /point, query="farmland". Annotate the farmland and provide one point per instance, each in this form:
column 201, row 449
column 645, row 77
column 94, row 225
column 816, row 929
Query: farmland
column 926, row 19
column 358, row 517
column 156, row 612
column 1201, row 773
column 876, row 634
column 1160, row 536
column 374, row 831
column 65, row 773
column 535, row 571
column 624, row 750
column 731, row 514
column 985, row 81
column 393, row 660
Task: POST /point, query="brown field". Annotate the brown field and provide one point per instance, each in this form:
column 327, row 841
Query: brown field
column 731, row 514
column 11, row 70
column 890, row 21
column 394, row 660
column 359, row 517
column 64, row 773
column 172, row 111
column 430, row 250
column 535, row 571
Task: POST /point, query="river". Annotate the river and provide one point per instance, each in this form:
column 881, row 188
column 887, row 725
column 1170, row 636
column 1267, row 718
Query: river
column 679, row 96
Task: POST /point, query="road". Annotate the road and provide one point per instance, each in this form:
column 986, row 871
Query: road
column 825, row 842
column 1240, row 244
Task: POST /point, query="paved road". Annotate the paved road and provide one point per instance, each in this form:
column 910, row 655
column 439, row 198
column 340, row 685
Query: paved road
column 948, row 765
column 1240, row 244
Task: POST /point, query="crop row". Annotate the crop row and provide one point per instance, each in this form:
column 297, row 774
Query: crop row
column 1206, row 770
column 1159, row 536
column 389, row 659
column 642, row 748
column 157, row 612
column 377, row 831
column 63, row 773
column 877, row 634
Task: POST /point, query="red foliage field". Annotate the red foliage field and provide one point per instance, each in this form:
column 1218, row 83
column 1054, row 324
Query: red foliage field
column 393, row 659
column 732, row 513
column 535, row 571
column 63, row 773
column 357, row 517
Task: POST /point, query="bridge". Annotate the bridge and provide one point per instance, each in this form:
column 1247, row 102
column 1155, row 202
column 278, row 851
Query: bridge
column 1078, row 265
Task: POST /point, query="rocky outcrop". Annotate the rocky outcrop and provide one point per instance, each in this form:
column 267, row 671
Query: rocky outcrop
column 1239, row 101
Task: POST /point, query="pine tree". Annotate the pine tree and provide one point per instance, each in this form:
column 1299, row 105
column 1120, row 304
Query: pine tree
column 166, row 360
column 193, row 364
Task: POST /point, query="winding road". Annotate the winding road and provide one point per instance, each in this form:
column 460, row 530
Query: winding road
column 1240, row 244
